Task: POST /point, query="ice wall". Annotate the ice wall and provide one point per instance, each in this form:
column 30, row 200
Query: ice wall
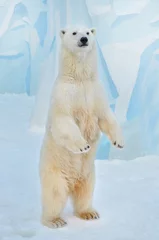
column 128, row 53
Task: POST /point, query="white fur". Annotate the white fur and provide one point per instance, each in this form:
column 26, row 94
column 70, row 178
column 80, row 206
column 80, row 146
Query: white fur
column 78, row 112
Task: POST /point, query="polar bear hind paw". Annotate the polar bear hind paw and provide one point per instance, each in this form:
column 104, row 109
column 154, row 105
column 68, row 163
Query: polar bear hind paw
column 55, row 223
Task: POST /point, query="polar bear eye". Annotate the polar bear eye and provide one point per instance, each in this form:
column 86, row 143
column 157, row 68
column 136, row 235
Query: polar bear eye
column 87, row 33
column 74, row 33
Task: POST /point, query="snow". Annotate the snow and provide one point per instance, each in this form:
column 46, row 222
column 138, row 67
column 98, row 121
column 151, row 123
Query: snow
column 126, row 194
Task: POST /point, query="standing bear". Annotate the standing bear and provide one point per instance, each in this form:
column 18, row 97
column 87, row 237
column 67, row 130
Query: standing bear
column 78, row 112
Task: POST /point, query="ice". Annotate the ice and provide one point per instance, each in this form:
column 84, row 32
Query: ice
column 17, row 24
column 41, row 27
column 124, row 7
column 131, row 126
column 42, row 102
column 145, row 94
column 125, row 30
column 99, row 10
column 9, row 12
column 2, row 2
column 154, row 20
column 11, row 54
column 126, row 193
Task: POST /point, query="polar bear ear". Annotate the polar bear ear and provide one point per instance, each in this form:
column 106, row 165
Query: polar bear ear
column 62, row 33
column 93, row 30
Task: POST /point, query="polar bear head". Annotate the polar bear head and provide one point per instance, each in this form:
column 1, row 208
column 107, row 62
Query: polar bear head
column 79, row 39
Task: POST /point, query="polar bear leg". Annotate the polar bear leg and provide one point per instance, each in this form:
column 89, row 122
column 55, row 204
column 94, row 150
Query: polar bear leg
column 82, row 199
column 82, row 193
column 54, row 197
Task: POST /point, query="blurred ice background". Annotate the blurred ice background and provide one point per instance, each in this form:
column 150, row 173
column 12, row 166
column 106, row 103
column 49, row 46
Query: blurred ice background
column 128, row 53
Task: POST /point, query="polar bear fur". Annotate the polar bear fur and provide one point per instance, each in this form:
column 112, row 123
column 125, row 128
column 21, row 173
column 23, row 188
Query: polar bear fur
column 78, row 112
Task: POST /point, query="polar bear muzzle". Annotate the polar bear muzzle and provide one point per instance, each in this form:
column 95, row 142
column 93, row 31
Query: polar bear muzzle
column 83, row 42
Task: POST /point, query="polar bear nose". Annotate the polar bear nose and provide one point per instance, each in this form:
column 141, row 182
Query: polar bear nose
column 84, row 40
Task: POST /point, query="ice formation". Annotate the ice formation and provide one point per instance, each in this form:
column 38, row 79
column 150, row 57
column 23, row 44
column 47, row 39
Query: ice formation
column 128, row 51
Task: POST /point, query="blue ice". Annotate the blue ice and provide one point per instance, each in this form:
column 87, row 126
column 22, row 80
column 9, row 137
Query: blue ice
column 29, row 45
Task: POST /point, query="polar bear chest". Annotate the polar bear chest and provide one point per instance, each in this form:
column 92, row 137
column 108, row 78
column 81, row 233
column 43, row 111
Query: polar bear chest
column 83, row 107
column 83, row 98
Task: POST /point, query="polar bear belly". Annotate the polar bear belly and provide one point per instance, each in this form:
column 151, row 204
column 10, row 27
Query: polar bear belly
column 88, row 124
column 84, row 111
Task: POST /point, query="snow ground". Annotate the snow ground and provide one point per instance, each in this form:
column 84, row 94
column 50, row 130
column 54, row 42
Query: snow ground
column 126, row 195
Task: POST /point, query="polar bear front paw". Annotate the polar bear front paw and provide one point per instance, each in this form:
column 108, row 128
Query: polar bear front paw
column 118, row 145
column 79, row 146
column 116, row 136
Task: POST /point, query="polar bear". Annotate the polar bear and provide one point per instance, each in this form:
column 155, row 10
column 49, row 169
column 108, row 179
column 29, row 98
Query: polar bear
column 78, row 112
